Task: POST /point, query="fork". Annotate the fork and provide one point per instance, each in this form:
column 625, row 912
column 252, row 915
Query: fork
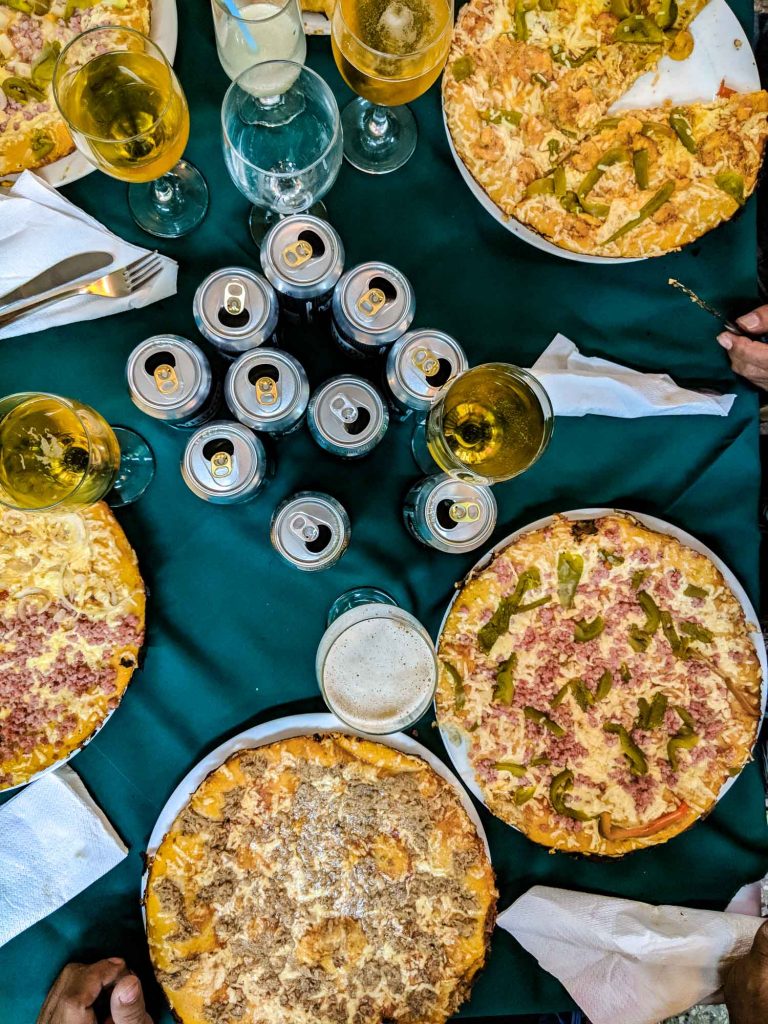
column 115, row 285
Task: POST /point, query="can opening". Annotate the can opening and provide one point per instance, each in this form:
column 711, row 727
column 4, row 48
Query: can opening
column 313, row 239
column 263, row 370
column 227, row 319
column 443, row 514
column 361, row 421
column 384, row 285
column 441, row 375
column 151, row 363
column 321, row 541
column 219, row 444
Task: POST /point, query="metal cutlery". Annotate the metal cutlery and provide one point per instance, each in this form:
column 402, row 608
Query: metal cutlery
column 115, row 285
column 729, row 325
column 63, row 272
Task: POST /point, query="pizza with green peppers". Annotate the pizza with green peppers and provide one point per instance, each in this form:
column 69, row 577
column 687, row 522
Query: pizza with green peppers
column 604, row 682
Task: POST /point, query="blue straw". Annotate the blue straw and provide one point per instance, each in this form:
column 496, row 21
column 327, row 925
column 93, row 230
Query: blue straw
column 250, row 42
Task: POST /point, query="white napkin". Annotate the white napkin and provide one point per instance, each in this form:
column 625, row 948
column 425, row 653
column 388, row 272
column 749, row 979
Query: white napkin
column 39, row 228
column 626, row 962
column 54, row 842
column 579, row 385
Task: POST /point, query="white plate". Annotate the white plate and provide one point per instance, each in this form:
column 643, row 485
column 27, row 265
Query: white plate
column 457, row 747
column 281, row 729
column 163, row 30
column 721, row 51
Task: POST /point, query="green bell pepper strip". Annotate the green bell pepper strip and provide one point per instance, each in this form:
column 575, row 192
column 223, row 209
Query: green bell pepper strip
column 567, row 60
column 613, row 156
column 559, row 181
column 462, row 68
column 578, row 689
column 504, row 690
column 42, row 69
column 513, row 117
column 570, row 566
column 654, row 204
column 632, row 753
column 584, row 631
column 22, row 90
column 658, row 709
column 488, row 634
column 540, row 759
column 29, row 6
column 459, row 693
column 624, row 672
column 542, row 719
column 540, row 187
column 652, row 612
column 638, row 639
column 678, row 644
column 698, row 592
column 558, row 790
column 560, row 696
column 553, row 146
column 523, row 794
column 532, row 604
column 666, row 16
column 641, row 168
column 638, row 29
column 643, row 713
column 518, row 770
column 604, row 685
column 682, row 741
column 521, row 25
column 681, row 126
column 42, row 144
column 621, row 8
column 639, row 577
column 697, row 632
column 540, row 79
column 656, row 128
column 80, row 5
column 607, row 122
column 570, row 202
column 689, row 725
column 732, row 184
column 609, row 558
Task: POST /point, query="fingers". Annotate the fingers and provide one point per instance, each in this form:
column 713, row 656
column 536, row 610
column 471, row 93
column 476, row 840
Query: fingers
column 755, row 321
column 76, row 990
column 127, row 1002
column 748, row 358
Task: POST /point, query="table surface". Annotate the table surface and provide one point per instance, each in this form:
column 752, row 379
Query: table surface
column 232, row 629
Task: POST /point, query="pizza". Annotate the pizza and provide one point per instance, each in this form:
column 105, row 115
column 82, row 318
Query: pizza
column 604, row 682
column 32, row 34
column 71, row 625
column 320, row 879
column 526, row 92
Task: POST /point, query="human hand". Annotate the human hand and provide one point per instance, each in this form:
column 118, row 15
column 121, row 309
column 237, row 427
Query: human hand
column 746, row 983
column 72, row 997
column 749, row 357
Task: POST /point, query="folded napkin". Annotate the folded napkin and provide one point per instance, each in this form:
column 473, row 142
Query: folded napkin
column 579, row 385
column 54, row 842
column 626, row 962
column 39, row 228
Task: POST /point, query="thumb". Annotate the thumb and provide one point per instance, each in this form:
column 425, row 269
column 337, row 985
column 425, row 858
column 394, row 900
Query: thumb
column 127, row 1002
column 760, row 944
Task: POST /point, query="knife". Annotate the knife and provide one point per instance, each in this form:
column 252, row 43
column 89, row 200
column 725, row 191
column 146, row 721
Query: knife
column 729, row 325
column 60, row 273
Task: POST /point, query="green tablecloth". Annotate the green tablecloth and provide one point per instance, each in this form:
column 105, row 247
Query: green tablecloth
column 232, row 629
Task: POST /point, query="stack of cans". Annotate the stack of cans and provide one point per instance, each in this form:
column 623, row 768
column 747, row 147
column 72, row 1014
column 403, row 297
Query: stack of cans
column 170, row 379
column 236, row 310
column 302, row 257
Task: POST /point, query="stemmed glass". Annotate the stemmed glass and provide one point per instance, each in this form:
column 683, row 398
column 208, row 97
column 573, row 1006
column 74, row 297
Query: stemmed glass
column 60, row 452
column 282, row 140
column 128, row 115
column 249, row 32
column 389, row 52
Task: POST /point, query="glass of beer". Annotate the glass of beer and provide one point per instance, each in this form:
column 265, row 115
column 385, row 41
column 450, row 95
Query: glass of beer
column 58, row 452
column 376, row 664
column 389, row 52
column 248, row 33
column 489, row 424
column 128, row 115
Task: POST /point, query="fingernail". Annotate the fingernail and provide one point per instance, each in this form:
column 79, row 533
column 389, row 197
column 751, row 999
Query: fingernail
column 129, row 991
column 750, row 320
column 725, row 341
column 116, row 960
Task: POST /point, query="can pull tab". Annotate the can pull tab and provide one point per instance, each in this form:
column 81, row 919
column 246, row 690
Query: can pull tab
column 426, row 361
column 464, row 512
column 267, row 391
column 166, row 380
column 343, row 409
column 304, row 527
column 221, row 465
column 297, row 253
column 234, row 298
column 371, row 302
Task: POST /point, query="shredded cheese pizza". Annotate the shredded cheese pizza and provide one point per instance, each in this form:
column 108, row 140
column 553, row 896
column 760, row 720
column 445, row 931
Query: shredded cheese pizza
column 32, row 34
column 526, row 92
column 604, row 681
column 321, row 880
column 71, row 625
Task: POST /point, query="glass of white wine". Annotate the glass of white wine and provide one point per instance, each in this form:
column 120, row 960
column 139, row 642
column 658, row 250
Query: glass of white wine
column 128, row 115
column 251, row 31
column 58, row 452
column 282, row 140
column 389, row 52
column 489, row 424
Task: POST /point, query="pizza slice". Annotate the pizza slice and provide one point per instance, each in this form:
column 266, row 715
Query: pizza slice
column 647, row 182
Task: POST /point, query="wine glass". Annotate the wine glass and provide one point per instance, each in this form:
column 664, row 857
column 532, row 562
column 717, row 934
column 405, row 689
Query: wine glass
column 128, row 115
column 60, row 452
column 489, row 424
column 282, row 140
column 389, row 52
column 249, row 32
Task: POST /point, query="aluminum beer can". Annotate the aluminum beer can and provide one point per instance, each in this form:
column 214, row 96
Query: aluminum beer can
column 170, row 379
column 224, row 463
column 373, row 305
column 418, row 365
column 347, row 416
column 310, row 530
column 450, row 515
column 267, row 390
column 302, row 258
column 236, row 310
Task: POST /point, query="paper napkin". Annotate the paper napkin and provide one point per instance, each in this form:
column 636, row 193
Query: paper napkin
column 39, row 228
column 54, row 842
column 580, row 385
column 624, row 961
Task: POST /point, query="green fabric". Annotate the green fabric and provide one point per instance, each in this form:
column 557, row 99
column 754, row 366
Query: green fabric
column 232, row 630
